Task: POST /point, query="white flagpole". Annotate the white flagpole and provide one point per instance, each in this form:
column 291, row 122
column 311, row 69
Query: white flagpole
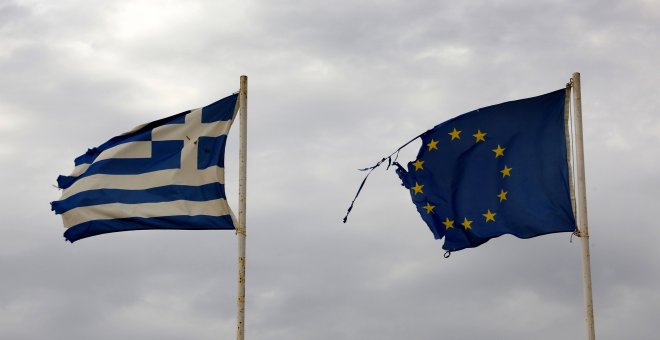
column 240, row 230
column 582, row 206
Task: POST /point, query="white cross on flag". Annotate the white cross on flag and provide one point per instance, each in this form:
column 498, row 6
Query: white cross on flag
column 167, row 174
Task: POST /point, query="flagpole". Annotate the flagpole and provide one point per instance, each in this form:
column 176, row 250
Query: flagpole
column 240, row 231
column 582, row 206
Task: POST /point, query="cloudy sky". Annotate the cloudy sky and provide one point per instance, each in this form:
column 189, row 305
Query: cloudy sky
column 334, row 85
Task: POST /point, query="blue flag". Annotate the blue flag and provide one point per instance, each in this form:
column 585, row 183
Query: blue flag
column 497, row 170
column 167, row 174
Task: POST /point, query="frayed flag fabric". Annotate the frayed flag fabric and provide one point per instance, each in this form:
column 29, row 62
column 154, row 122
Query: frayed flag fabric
column 167, row 174
column 497, row 170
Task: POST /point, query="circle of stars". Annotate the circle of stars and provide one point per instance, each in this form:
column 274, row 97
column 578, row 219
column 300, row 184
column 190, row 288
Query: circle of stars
column 488, row 216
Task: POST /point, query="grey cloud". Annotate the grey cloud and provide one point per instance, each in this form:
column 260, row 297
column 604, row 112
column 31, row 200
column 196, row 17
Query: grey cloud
column 333, row 87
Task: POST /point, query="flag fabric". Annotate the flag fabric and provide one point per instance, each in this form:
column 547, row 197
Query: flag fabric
column 497, row 170
column 167, row 174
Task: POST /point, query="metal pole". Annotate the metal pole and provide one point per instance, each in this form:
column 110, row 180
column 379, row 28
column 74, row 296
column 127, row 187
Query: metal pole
column 582, row 206
column 240, row 230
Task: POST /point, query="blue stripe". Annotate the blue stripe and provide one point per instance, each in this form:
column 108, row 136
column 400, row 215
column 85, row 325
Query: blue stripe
column 200, row 222
column 164, row 155
column 141, row 135
column 165, row 193
column 221, row 110
column 91, row 154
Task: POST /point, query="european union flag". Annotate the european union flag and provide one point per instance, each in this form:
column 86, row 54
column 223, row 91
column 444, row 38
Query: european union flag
column 497, row 170
column 167, row 174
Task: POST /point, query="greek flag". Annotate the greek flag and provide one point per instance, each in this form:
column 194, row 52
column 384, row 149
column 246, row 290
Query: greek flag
column 167, row 174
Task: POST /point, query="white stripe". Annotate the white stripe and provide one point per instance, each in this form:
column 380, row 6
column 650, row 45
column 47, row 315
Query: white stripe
column 142, row 149
column 192, row 127
column 218, row 207
column 222, row 127
column 79, row 169
column 147, row 180
column 217, row 129
column 126, row 150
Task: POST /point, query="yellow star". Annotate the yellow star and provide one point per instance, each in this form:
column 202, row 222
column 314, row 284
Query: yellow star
column 429, row 208
column 506, row 171
column 502, row 195
column 448, row 223
column 455, row 134
column 418, row 188
column 489, row 216
column 467, row 224
column 479, row 136
column 433, row 145
column 418, row 164
column 499, row 151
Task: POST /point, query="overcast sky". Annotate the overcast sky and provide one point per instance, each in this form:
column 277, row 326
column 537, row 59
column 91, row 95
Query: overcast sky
column 333, row 86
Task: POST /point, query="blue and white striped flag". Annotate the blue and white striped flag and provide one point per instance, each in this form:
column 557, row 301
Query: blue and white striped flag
column 167, row 174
